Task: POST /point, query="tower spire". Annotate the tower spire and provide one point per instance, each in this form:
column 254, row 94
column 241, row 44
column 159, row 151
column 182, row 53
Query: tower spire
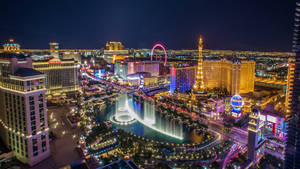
column 199, row 84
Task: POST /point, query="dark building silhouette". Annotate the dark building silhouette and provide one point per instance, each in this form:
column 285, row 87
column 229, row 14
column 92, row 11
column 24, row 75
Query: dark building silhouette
column 292, row 154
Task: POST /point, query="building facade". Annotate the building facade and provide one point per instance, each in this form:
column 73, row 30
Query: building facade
column 114, row 45
column 289, row 85
column 114, row 51
column 124, row 68
column 182, row 78
column 11, row 46
column 292, row 153
column 61, row 75
column 144, row 66
column 54, row 47
column 142, row 79
column 255, row 137
column 121, row 69
column 237, row 76
column 23, row 110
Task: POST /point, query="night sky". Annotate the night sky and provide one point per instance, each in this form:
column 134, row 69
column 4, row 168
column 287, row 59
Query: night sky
column 264, row 25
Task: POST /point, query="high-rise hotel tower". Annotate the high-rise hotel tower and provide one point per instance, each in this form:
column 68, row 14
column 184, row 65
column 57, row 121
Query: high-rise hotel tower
column 23, row 112
column 292, row 154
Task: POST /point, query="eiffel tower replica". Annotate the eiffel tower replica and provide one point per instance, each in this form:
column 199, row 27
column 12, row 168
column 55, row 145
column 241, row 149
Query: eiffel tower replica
column 199, row 89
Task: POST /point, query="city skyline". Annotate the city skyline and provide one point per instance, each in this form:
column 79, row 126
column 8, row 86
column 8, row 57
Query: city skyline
column 237, row 26
column 124, row 84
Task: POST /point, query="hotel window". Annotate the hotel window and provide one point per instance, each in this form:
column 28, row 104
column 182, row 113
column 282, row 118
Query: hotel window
column 33, row 123
column 31, row 99
column 44, row 149
column 33, row 129
column 32, row 107
column 35, row 150
column 32, row 118
column 28, row 85
column 44, row 144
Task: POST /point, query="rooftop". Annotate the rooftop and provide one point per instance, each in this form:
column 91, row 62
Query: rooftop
column 24, row 72
column 12, row 55
column 53, row 59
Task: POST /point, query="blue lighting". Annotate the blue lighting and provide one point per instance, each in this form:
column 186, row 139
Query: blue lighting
column 236, row 102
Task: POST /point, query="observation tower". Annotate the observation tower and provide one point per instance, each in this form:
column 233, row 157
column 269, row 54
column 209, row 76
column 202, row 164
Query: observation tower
column 199, row 89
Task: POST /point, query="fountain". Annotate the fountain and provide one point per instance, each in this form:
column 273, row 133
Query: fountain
column 159, row 121
column 149, row 112
column 122, row 115
column 128, row 111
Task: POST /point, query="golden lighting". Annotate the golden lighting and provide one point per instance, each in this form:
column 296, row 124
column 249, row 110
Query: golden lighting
column 199, row 84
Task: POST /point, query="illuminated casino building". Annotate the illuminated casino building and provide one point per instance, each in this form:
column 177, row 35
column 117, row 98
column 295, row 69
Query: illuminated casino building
column 23, row 109
column 274, row 123
column 237, row 76
column 142, row 79
column 144, row 66
column 289, row 85
column 72, row 55
column 114, row 46
column 121, row 69
column 115, row 51
column 61, row 75
column 11, row 46
column 182, row 77
column 255, row 137
column 124, row 68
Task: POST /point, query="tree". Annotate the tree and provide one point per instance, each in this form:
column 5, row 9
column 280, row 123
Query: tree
column 215, row 165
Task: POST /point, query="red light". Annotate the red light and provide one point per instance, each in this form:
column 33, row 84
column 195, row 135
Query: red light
column 292, row 66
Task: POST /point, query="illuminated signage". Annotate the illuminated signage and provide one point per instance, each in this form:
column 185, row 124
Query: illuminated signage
column 54, row 61
column 271, row 119
column 236, row 114
column 262, row 117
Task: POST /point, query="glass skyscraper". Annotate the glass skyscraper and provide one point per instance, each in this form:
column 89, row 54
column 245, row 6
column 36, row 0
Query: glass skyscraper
column 292, row 155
